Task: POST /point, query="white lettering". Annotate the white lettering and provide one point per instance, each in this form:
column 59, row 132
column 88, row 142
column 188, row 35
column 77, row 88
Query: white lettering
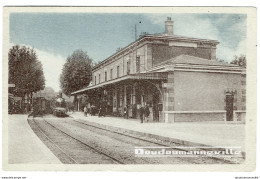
column 139, row 151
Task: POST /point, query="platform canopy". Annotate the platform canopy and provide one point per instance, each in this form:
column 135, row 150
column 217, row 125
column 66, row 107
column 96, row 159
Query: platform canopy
column 140, row 76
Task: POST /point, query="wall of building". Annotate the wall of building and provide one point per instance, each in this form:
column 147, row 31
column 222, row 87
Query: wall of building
column 150, row 55
column 142, row 52
column 201, row 91
column 162, row 53
column 196, row 117
column 119, row 62
column 243, row 93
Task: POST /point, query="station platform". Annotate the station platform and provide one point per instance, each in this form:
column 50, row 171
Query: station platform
column 188, row 133
column 24, row 147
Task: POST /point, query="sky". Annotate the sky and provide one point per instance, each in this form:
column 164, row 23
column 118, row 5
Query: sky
column 54, row 36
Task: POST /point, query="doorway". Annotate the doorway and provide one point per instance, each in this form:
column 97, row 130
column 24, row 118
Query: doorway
column 229, row 106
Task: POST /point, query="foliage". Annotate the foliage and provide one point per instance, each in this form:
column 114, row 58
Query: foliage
column 47, row 93
column 96, row 63
column 221, row 60
column 76, row 72
column 25, row 71
column 240, row 61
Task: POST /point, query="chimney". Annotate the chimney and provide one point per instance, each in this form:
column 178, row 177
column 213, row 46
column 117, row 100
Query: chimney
column 169, row 26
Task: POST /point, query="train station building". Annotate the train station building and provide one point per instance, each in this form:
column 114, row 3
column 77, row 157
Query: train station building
column 177, row 77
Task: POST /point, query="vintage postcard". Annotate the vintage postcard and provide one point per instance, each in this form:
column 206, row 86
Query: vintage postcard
column 129, row 89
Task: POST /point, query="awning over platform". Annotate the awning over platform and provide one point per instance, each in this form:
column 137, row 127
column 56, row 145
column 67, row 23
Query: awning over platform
column 141, row 76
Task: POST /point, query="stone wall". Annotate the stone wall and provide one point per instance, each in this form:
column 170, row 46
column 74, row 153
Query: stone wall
column 169, row 97
column 198, row 117
column 201, row 91
column 196, row 92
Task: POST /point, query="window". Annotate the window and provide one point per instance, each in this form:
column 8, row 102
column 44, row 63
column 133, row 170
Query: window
column 137, row 64
column 111, row 74
column 128, row 67
column 117, row 72
column 105, row 76
column 99, row 78
column 95, row 80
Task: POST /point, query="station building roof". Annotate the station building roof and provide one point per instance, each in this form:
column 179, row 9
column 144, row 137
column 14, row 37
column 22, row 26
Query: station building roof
column 187, row 59
column 195, row 63
column 150, row 37
column 137, row 77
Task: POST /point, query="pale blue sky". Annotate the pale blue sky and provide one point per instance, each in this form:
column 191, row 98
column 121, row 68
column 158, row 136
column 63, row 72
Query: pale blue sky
column 56, row 35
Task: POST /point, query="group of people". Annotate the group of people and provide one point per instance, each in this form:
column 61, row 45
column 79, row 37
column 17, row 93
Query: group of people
column 144, row 111
column 92, row 110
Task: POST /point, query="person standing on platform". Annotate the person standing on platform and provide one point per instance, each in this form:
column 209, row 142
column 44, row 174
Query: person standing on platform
column 85, row 111
column 102, row 110
column 146, row 112
column 88, row 108
column 141, row 112
column 126, row 112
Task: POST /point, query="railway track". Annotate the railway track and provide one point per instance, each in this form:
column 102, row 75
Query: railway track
column 154, row 141
column 88, row 135
column 60, row 144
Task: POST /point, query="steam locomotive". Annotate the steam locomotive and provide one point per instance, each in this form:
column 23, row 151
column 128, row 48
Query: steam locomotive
column 59, row 107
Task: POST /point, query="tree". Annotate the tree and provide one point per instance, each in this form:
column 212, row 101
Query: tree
column 25, row 71
column 221, row 60
column 240, row 61
column 76, row 72
column 96, row 63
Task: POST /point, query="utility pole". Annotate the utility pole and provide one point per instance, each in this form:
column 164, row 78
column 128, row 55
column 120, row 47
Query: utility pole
column 135, row 33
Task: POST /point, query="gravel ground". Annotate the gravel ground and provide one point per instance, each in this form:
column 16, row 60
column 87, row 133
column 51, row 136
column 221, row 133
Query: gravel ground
column 67, row 149
column 117, row 146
